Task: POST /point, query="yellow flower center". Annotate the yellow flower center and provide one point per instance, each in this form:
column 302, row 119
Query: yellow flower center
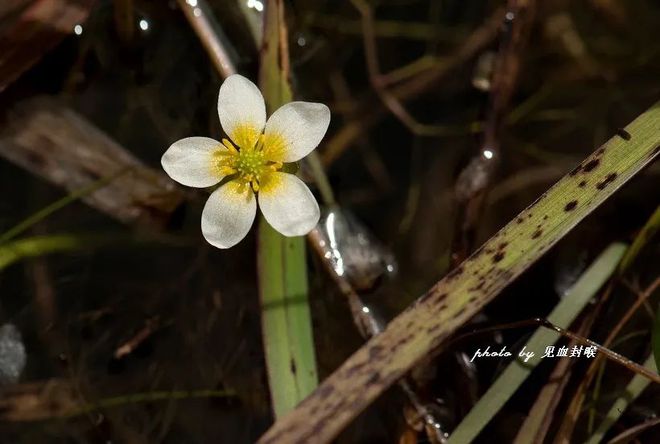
column 250, row 165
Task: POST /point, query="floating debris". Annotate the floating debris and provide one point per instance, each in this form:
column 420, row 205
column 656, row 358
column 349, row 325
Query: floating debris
column 12, row 354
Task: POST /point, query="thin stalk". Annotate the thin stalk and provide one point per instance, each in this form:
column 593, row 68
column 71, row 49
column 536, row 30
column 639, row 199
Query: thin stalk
column 285, row 316
column 631, row 392
column 58, row 205
column 134, row 398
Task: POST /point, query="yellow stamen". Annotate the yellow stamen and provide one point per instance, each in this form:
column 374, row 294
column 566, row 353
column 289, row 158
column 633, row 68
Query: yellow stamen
column 227, row 170
column 251, row 158
column 230, row 146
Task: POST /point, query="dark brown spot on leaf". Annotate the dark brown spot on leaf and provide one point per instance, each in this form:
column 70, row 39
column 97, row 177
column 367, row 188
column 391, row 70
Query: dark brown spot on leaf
column 440, row 298
column 591, row 165
column 582, row 184
column 571, row 205
column 498, row 256
column 478, row 287
column 606, row 181
column 375, row 351
column 455, row 273
column 324, row 391
column 625, row 135
column 537, row 234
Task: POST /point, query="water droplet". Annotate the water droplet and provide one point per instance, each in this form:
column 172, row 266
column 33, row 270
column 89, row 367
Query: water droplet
column 255, row 4
column 12, row 354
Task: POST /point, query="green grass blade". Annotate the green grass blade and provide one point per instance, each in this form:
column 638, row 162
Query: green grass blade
column 416, row 332
column 135, row 398
column 632, row 391
column 643, row 237
column 517, row 371
column 286, row 319
column 57, row 205
column 655, row 339
column 14, row 251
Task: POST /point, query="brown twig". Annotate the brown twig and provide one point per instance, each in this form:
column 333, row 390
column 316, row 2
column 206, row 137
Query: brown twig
column 125, row 20
column 150, row 326
column 473, row 182
column 201, row 19
column 627, row 436
column 567, row 426
column 390, row 100
column 413, row 87
column 372, row 160
column 369, row 326
column 548, row 399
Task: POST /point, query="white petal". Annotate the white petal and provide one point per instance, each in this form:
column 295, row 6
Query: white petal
column 242, row 110
column 228, row 214
column 191, row 162
column 288, row 205
column 295, row 129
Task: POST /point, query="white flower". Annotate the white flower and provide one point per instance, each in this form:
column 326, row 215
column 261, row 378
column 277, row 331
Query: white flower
column 252, row 164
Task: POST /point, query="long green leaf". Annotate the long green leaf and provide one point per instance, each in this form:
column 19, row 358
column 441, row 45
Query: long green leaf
column 644, row 236
column 517, row 371
column 58, row 205
column 415, row 333
column 655, row 339
column 14, row 251
column 286, row 319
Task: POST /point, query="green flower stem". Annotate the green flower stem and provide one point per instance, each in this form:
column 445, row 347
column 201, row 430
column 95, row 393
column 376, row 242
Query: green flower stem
column 320, row 178
column 285, row 318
